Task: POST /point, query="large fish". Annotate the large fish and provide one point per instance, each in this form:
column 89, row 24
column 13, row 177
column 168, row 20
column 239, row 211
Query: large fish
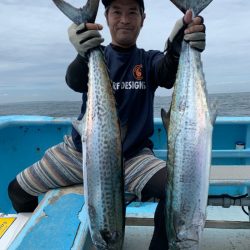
column 189, row 125
column 101, row 143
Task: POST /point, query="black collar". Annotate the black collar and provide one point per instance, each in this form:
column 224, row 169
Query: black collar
column 120, row 49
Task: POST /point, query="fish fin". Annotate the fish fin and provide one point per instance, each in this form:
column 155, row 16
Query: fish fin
column 196, row 5
column 213, row 111
column 110, row 237
column 87, row 14
column 96, row 235
column 165, row 116
column 79, row 125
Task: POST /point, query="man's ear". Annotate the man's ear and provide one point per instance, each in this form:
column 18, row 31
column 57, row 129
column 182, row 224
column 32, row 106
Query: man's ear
column 143, row 18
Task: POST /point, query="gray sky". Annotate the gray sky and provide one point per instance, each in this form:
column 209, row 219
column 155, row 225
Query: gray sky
column 35, row 51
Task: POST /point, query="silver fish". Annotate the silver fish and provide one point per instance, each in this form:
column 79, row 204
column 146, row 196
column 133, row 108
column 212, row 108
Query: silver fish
column 101, row 147
column 103, row 174
column 189, row 124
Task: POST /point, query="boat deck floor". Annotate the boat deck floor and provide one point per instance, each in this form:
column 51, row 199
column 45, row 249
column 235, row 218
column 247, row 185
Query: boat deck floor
column 213, row 238
column 60, row 223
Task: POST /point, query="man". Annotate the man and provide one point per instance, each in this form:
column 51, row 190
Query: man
column 135, row 75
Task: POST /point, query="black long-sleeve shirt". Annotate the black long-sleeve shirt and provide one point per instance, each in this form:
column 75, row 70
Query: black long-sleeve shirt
column 135, row 75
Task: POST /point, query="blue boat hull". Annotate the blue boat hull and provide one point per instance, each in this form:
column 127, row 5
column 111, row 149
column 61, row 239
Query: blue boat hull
column 24, row 139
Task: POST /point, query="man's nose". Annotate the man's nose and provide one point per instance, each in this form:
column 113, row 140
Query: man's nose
column 125, row 18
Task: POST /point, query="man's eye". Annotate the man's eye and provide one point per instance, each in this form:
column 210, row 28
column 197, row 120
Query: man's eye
column 116, row 12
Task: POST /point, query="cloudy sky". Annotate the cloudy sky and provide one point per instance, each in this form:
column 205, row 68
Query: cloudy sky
column 35, row 51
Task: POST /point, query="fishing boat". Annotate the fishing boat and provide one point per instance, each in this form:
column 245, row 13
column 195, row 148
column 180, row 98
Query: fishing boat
column 59, row 222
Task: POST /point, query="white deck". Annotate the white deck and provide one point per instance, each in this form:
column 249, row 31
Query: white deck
column 12, row 231
column 213, row 239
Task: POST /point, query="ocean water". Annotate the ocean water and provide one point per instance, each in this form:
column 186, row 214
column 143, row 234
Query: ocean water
column 228, row 104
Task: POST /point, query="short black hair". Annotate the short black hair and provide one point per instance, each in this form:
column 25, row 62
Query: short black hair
column 107, row 3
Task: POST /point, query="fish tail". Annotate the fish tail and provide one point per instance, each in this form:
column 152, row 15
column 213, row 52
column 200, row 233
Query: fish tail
column 87, row 14
column 196, row 5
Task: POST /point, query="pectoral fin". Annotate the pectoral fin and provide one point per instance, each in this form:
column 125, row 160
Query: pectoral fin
column 165, row 116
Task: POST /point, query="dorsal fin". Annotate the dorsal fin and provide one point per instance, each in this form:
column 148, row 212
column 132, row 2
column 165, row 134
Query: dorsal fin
column 196, row 5
column 165, row 116
column 87, row 14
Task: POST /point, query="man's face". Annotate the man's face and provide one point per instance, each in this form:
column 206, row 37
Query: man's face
column 125, row 20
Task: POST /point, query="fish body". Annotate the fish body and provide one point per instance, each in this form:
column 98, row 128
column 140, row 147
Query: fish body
column 101, row 146
column 189, row 124
column 103, row 169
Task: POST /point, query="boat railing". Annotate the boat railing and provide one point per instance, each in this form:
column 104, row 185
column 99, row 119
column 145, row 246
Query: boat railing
column 230, row 172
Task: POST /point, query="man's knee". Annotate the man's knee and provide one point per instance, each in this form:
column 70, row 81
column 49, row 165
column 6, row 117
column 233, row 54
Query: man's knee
column 21, row 200
column 155, row 186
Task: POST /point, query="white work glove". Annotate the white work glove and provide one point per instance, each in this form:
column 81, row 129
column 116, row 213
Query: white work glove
column 197, row 40
column 82, row 39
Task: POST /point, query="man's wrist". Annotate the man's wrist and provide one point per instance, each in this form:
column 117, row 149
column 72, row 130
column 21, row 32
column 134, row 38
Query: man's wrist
column 171, row 49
